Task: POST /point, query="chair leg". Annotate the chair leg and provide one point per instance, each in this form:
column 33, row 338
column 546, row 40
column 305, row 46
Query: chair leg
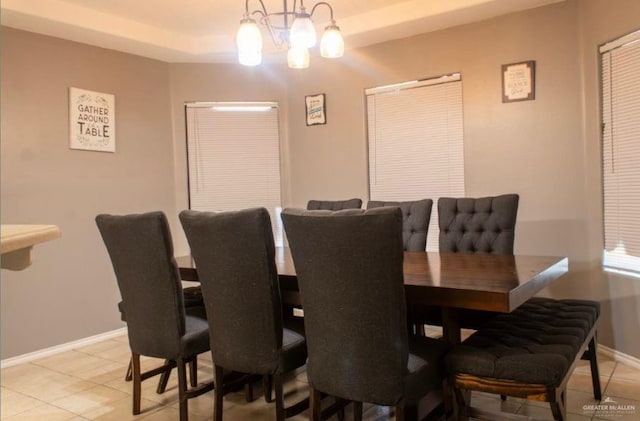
column 137, row 382
column 129, row 376
column 595, row 372
column 278, row 387
column 182, row 389
column 340, row 414
column 357, row 411
column 248, row 391
column 314, row 404
column 406, row 412
column 267, row 385
column 193, row 371
column 164, row 379
column 218, row 392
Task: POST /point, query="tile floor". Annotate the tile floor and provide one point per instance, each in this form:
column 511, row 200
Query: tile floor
column 88, row 384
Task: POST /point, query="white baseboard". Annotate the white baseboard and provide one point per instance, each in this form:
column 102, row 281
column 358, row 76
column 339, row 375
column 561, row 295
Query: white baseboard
column 619, row 356
column 25, row 358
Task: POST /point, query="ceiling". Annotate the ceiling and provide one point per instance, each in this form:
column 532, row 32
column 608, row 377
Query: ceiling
column 204, row 30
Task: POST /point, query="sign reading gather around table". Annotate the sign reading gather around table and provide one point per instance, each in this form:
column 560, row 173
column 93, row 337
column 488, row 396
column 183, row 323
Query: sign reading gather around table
column 92, row 123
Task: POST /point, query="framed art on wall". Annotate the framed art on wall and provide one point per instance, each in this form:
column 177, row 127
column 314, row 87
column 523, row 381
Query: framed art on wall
column 91, row 121
column 316, row 109
column 519, row 81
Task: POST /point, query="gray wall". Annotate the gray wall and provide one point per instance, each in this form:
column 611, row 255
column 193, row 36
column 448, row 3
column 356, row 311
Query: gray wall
column 546, row 150
column 69, row 292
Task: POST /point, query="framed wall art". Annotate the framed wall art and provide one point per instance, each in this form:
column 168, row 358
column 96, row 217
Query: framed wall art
column 316, row 109
column 519, row 81
column 92, row 123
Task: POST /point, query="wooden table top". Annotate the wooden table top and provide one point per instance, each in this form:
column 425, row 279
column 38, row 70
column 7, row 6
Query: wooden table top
column 473, row 281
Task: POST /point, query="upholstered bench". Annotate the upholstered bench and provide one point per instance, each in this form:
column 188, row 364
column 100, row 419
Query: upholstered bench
column 529, row 354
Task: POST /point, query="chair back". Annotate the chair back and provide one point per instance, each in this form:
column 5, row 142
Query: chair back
column 141, row 252
column 349, row 269
column 235, row 256
column 415, row 221
column 478, row 225
column 334, row 205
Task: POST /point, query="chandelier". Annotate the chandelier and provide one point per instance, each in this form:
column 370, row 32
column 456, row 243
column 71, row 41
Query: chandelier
column 292, row 29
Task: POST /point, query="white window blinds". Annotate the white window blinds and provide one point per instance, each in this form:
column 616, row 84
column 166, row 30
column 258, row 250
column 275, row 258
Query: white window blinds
column 621, row 152
column 415, row 133
column 233, row 152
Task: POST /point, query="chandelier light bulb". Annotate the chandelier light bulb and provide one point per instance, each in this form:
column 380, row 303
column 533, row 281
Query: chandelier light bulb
column 298, row 58
column 249, row 58
column 249, row 42
column 303, row 33
column 332, row 43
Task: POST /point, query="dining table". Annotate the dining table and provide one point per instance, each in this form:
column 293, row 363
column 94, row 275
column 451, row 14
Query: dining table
column 450, row 281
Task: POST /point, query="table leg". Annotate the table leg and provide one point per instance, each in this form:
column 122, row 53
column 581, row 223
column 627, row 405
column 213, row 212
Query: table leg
column 451, row 325
column 451, row 334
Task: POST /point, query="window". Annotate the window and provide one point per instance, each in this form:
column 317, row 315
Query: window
column 620, row 61
column 416, row 143
column 233, row 152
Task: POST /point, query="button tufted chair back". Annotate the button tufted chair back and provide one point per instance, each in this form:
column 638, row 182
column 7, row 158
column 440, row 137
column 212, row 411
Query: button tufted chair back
column 478, row 225
column 415, row 221
column 334, row 205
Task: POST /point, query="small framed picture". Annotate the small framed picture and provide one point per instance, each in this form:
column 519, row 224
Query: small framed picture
column 316, row 109
column 519, row 81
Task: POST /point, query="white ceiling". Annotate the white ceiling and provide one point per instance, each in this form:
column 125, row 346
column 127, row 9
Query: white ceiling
column 204, row 30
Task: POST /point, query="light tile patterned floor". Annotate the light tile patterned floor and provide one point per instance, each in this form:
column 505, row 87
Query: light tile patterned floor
column 88, row 384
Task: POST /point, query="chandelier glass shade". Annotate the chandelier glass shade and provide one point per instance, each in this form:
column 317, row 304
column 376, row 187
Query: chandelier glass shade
column 289, row 29
column 249, row 42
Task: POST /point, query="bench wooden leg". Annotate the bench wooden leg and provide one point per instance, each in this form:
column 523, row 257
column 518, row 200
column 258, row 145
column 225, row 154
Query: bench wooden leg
column 559, row 407
column 462, row 404
column 592, row 356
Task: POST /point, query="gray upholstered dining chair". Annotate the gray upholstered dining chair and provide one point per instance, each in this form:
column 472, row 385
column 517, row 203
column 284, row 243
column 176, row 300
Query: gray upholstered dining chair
column 193, row 306
column 478, row 225
column 415, row 221
column 334, row 205
column 416, row 216
column 350, row 252
column 235, row 256
column 141, row 252
column 472, row 225
column 291, row 319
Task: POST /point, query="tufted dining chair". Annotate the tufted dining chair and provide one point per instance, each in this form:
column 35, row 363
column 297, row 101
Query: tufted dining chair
column 471, row 225
column 141, row 252
column 235, row 256
column 350, row 251
column 415, row 221
column 334, row 205
column 478, row 225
